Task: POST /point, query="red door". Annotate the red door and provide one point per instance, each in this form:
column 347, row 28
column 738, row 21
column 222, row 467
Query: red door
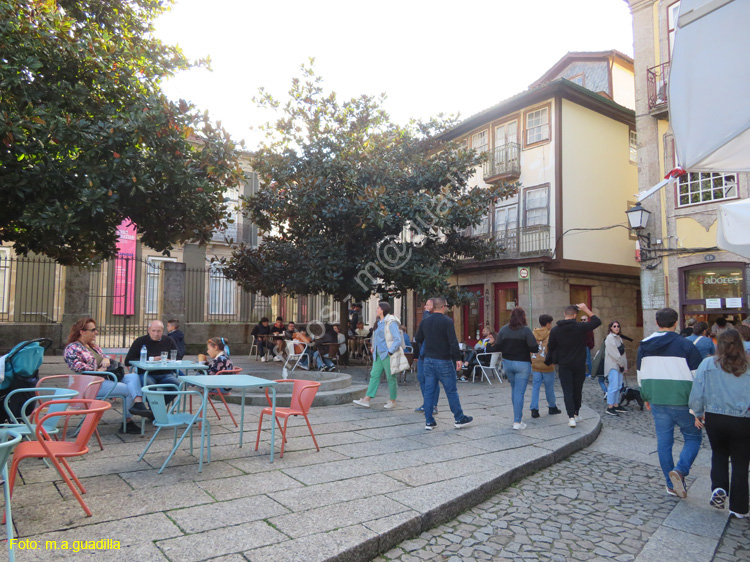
column 506, row 299
column 473, row 315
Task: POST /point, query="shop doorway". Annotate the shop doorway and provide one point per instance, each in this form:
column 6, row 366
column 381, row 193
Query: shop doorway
column 580, row 293
column 473, row 315
column 506, row 299
column 713, row 292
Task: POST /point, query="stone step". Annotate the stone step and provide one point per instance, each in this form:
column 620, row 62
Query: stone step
column 322, row 398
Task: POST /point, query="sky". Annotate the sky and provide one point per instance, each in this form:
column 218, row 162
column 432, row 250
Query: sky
column 427, row 57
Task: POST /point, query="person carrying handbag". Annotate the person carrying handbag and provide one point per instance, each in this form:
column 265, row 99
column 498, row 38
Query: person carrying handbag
column 615, row 364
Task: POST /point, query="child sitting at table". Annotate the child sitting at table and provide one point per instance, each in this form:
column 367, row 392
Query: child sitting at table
column 218, row 351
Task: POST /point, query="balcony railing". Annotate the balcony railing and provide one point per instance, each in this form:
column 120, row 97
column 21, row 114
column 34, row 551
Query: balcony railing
column 504, row 161
column 517, row 243
column 656, row 85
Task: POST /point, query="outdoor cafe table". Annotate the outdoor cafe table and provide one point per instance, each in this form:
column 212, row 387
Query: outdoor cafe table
column 185, row 366
column 232, row 381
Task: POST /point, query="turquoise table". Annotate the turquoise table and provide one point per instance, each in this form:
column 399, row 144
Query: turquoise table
column 146, row 366
column 243, row 382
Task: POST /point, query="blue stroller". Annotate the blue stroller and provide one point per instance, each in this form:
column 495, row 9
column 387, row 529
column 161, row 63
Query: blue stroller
column 21, row 369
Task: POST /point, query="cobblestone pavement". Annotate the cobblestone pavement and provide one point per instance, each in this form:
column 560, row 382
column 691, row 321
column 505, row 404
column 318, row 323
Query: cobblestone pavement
column 592, row 506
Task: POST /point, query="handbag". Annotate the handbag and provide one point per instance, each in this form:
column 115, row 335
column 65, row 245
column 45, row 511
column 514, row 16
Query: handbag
column 116, row 368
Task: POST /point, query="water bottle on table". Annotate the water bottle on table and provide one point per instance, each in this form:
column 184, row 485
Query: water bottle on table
column 144, row 354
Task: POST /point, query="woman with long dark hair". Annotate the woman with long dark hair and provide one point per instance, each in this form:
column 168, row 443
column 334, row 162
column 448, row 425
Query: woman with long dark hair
column 720, row 400
column 615, row 364
column 516, row 341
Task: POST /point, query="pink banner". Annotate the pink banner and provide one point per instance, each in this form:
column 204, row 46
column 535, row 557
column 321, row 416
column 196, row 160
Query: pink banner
column 124, row 287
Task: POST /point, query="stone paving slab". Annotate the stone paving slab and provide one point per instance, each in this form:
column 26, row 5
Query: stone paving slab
column 378, row 479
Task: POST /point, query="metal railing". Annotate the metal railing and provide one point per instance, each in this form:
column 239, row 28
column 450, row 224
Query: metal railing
column 656, row 85
column 516, row 243
column 503, row 161
column 31, row 290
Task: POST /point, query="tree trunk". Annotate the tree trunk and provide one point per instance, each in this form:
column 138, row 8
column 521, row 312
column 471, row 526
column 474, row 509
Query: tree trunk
column 344, row 318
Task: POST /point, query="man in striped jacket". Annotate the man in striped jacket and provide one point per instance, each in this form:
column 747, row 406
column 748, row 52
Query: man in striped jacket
column 666, row 362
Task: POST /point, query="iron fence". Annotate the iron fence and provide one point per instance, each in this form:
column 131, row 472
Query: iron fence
column 31, row 289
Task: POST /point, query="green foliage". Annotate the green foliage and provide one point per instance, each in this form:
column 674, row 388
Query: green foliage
column 87, row 138
column 353, row 204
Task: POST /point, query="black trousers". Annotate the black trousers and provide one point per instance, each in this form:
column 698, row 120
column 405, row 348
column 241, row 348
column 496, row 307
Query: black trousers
column 571, row 381
column 730, row 439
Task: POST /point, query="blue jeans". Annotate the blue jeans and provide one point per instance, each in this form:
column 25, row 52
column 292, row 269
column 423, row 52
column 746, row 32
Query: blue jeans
column 589, row 366
column 518, row 376
column 420, row 378
column 665, row 419
column 164, row 378
column 615, row 384
column 602, row 384
column 549, row 388
column 444, row 371
column 320, row 359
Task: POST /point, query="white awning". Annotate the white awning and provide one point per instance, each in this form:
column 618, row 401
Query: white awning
column 733, row 233
column 708, row 85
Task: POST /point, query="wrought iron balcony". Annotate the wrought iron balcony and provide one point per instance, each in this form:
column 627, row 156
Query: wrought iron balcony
column 656, row 87
column 517, row 243
column 503, row 162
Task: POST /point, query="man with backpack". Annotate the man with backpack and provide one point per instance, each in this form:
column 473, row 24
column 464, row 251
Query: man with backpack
column 541, row 372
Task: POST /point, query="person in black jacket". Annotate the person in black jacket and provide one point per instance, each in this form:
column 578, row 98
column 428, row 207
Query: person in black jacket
column 516, row 341
column 262, row 332
column 567, row 349
column 174, row 332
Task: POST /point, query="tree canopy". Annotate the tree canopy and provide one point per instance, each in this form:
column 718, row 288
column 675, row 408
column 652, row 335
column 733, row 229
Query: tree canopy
column 352, row 204
column 87, row 138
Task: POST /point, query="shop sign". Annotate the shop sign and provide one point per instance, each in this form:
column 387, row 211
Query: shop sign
column 713, row 303
column 718, row 280
column 734, row 303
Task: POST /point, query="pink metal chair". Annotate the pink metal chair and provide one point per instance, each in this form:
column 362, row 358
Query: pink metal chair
column 87, row 387
column 303, row 394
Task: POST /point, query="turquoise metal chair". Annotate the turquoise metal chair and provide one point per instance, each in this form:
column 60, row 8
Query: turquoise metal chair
column 168, row 416
column 8, row 441
column 25, row 427
column 106, row 395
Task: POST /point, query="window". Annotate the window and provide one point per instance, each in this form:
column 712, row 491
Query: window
column 537, row 125
column 633, row 146
column 673, row 13
column 506, row 221
column 153, row 283
column 232, row 200
column 5, row 266
column 479, row 141
column 483, row 227
column 704, row 187
column 577, row 79
column 537, row 213
column 221, row 292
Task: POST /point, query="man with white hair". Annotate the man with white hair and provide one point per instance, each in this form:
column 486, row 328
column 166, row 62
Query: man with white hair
column 155, row 342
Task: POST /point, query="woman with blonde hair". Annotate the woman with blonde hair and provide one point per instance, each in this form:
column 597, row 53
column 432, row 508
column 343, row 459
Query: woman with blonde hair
column 720, row 400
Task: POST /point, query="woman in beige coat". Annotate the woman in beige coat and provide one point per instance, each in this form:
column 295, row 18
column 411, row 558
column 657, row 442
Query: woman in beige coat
column 615, row 364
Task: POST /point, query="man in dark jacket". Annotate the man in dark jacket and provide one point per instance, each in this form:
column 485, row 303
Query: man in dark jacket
column 567, row 349
column 441, row 362
column 262, row 333
column 174, row 332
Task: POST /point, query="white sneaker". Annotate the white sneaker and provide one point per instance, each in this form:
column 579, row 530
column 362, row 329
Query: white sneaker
column 277, row 359
column 519, row 425
column 365, row 403
column 579, row 419
column 572, row 422
column 390, row 404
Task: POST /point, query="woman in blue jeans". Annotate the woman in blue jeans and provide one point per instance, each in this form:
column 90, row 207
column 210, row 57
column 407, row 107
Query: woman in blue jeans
column 516, row 341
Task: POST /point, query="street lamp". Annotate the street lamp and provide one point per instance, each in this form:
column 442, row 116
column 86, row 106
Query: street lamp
column 638, row 219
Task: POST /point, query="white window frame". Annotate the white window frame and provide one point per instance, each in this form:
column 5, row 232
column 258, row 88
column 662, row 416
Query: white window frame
column 5, row 280
column 480, row 141
column 537, row 125
column 222, row 292
column 508, row 226
column 633, row 138
column 537, row 214
column 153, row 283
column 694, row 183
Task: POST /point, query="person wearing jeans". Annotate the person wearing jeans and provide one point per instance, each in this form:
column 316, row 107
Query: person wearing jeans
column 428, row 305
column 666, row 362
column 720, row 398
column 615, row 364
column 442, row 361
column 541, row 372
column 516, row 341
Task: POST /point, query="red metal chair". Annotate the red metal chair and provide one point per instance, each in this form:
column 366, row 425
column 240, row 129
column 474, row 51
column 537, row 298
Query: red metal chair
column 58, row 451
column 216, row 393
column 303, row 395
column 87, row 387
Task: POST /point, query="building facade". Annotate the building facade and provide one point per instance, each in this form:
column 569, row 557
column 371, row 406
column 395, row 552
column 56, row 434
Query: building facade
column 681, row 266
column 570, row 142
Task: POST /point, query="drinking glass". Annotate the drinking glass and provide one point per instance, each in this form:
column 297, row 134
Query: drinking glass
column 173, row 355
column 164, row 356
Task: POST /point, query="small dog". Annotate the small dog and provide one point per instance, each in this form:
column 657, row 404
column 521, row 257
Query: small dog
column 627, row 395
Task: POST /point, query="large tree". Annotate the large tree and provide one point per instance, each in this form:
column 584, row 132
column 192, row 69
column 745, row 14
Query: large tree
column 352, row 204
column 87, row 137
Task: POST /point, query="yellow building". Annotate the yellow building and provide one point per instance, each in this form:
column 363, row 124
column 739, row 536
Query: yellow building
column 570, row 141
column 682, row 268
